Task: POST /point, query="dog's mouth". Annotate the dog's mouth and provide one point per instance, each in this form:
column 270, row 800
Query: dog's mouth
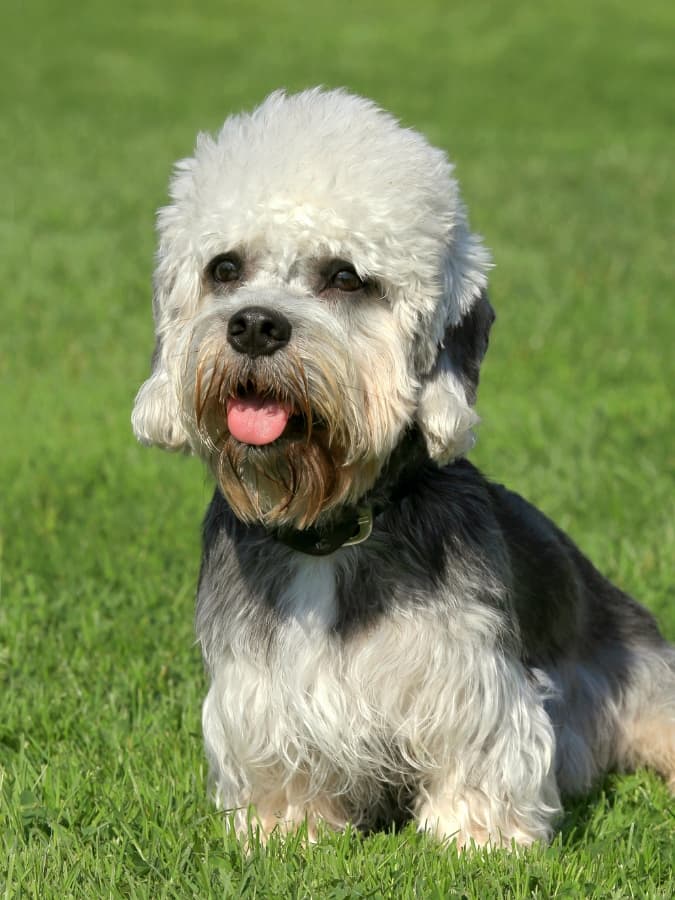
column 259, row 419
column 244, row 411
column 274, row 450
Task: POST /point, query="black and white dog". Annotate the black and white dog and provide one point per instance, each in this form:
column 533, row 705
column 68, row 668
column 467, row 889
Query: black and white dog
column 387, row 633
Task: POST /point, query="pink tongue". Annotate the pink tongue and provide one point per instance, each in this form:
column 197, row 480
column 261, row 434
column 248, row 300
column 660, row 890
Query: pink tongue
column 256, row 420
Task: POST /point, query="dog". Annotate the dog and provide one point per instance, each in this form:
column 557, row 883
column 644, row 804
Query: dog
column 388, row 634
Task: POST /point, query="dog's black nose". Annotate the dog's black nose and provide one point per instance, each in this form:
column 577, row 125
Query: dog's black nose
column 258, row 331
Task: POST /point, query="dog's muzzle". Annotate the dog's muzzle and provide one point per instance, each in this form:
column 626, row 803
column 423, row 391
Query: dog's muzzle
column 258, row 331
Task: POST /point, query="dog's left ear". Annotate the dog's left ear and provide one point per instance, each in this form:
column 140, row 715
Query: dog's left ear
column 444, row 412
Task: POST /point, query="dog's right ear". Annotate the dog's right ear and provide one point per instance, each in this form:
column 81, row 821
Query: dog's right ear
column 156, row 417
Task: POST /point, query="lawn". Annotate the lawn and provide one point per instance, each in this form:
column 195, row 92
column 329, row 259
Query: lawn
column 560, row 120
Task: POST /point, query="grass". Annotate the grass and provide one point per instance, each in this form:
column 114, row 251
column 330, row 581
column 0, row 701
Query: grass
column 559, row 117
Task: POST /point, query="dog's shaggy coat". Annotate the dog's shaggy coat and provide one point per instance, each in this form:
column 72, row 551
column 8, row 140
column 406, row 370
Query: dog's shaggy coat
column 321, row 317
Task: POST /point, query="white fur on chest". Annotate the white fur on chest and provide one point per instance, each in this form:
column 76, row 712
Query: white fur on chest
column 308, row 601
column 402, row 697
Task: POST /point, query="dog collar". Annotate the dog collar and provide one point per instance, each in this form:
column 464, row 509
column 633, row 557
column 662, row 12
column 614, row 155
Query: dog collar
column 355, row 524
column 354, row 527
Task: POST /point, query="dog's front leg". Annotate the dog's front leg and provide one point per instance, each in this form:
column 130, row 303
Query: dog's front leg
column 288, row 809
column 502, row 788
column 261, row 788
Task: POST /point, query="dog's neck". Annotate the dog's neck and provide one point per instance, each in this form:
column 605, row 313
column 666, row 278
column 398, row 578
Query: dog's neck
column 353, row 524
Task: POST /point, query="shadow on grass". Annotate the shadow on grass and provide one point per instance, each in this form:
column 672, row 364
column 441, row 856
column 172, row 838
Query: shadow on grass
column 620, row 802
column 581, row 814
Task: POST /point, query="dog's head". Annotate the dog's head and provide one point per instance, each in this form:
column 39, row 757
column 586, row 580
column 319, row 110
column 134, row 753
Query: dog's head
column 317, row 293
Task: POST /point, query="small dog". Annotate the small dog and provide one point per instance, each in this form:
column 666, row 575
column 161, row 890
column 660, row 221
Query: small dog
column 387, row 633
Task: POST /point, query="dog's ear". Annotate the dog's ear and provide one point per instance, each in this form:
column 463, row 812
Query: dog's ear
column 156, row 417
column 466, row 344
column 444, row 413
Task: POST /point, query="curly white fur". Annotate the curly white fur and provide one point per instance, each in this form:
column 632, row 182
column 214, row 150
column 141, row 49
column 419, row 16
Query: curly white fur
column 318, row 718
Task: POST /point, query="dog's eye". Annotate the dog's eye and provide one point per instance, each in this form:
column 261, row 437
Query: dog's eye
column 346, row 280
column 225, row 268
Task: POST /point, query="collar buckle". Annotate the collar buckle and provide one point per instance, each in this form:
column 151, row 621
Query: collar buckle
column 364, row 518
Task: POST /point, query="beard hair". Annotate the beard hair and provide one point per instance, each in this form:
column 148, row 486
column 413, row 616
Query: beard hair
column 298, row 477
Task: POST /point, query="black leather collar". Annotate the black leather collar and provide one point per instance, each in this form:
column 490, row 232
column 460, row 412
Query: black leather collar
column 354, row 524
column 353, row 527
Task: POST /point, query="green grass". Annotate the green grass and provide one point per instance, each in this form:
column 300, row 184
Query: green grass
column 560, row 119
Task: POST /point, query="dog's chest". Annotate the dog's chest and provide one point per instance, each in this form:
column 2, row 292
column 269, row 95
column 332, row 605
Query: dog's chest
column 292, row 685
column 297, row 662
column 308, row 600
